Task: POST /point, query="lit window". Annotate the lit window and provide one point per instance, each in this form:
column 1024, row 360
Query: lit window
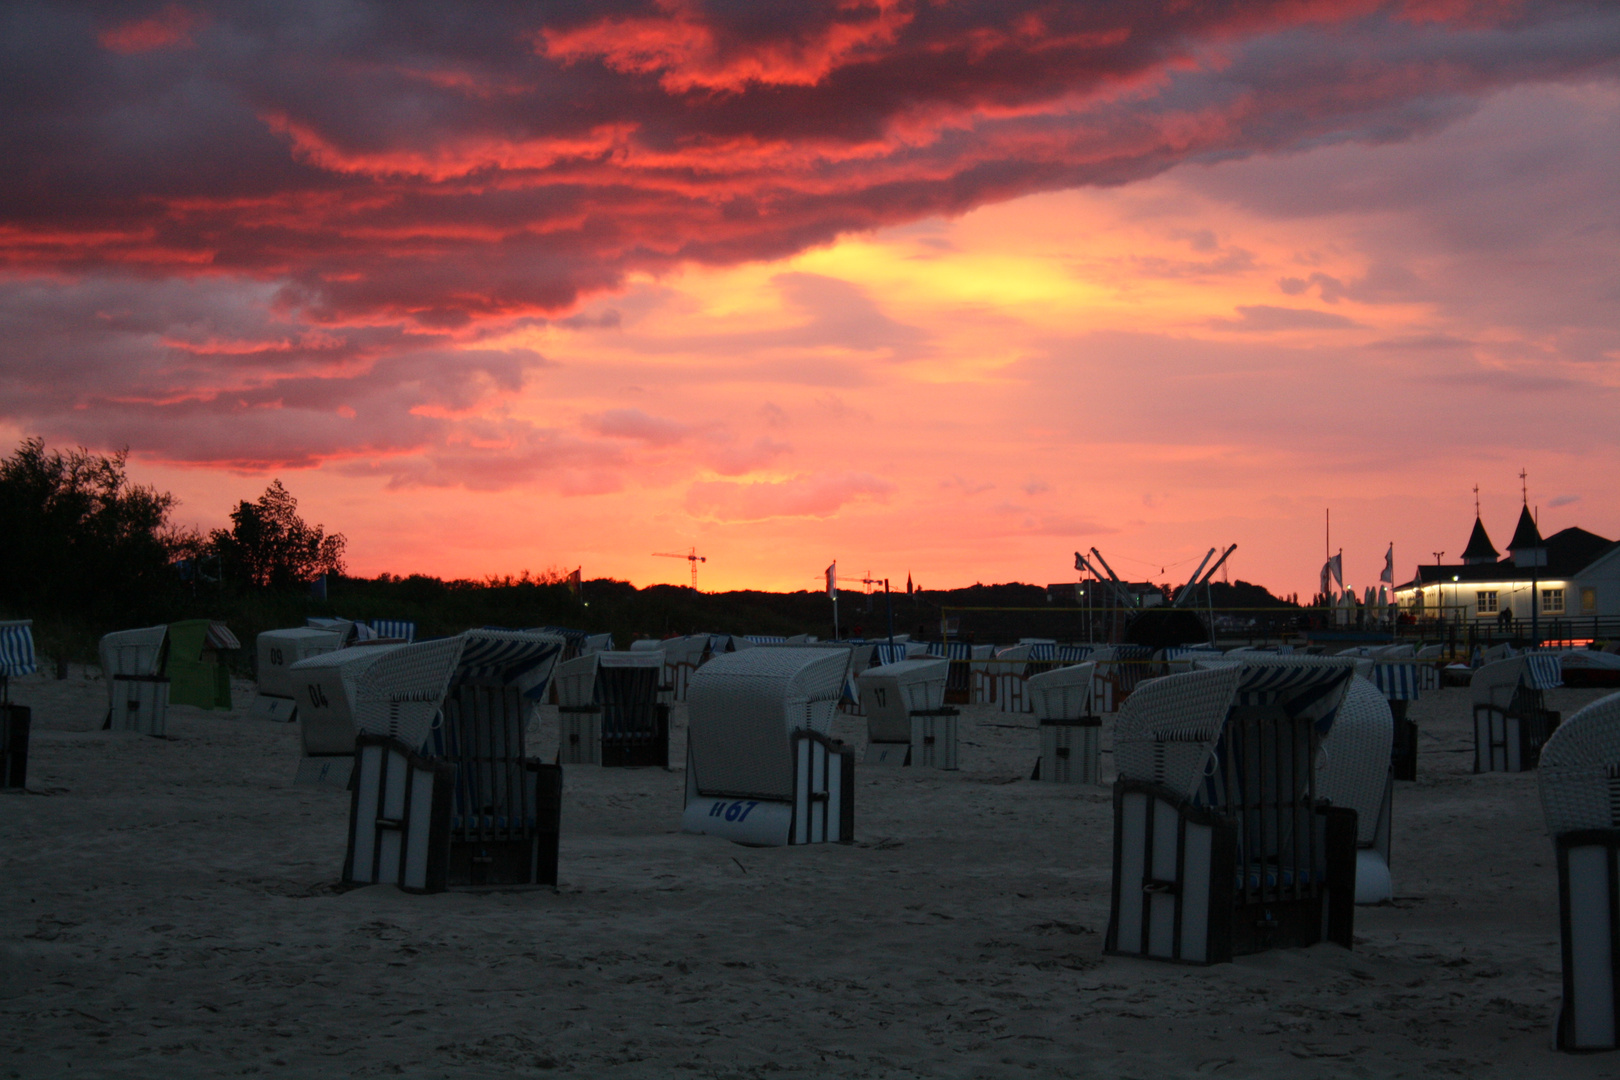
column 1486, row 602
column 1552, row 601
column 1589, row 600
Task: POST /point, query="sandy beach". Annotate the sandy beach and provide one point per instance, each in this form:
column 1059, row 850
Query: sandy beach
column 171, row 907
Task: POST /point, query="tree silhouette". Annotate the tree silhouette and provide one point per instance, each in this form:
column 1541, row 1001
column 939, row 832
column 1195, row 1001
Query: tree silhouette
column 78, row 538
column 270, row 546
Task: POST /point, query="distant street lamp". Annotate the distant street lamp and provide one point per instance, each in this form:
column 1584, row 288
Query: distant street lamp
column 1439, row 590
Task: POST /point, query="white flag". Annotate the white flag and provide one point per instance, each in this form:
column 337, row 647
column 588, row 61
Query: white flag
column 1389, row 566
column 832, row 580
column 1332, row 570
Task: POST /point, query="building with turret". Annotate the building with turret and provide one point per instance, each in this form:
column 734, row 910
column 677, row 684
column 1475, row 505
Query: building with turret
column 1570, row 573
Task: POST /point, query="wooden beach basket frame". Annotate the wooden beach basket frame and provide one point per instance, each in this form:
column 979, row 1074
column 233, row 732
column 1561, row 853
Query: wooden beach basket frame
column 759, row 742
column 1070, row 732
column 904, row 704
column 16, row 658
column 399, row 817
column 463, row 703
column 1221, row 847
column 1511, row 720
column 1579, row 779
column 133, row 663
column 612, row 699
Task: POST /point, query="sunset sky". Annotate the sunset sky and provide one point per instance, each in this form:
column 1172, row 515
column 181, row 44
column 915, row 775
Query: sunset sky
column 949, row 288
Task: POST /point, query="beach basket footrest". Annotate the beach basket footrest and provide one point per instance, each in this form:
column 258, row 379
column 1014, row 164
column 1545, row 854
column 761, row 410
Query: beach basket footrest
column 1181, row 892
column 1510, row 740
column 399, row 816
column 1589, row 918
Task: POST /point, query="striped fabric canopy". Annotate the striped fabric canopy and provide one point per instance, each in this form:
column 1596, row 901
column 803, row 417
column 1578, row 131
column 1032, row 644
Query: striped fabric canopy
column 403, row 629
column 1071, row 654
column 17, row 648
column 885, row 653
column 575, row 638
column 765, row 639
column 1396, row 681
column 1543, row 671
column 1277, row 676
column 1169, row 729
column 1043, row 651
column 1304, row 685
column 220, row 637
column 1129, row 666
column 509, row 656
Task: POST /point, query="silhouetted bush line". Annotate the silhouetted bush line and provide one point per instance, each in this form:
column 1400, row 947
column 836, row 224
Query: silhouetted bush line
column 84, row 551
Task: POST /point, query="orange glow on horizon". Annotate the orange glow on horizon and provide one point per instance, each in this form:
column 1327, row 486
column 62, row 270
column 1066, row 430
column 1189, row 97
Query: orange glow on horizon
column 886, row 400
column 951, row 290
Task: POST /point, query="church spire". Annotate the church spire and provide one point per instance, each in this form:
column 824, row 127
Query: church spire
column 1526, row 545
column 1526, row 537
column 1479, row 549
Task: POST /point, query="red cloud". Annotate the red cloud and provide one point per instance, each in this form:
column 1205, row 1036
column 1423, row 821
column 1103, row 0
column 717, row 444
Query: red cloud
column 313, row 222
column 444, row 169
column 688, row 50
column 172, row 26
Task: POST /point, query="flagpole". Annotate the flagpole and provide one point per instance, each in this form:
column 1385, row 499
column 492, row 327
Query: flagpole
column 832, row 591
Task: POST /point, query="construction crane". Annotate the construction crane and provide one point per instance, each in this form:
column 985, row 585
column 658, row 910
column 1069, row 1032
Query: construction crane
column 692, row 557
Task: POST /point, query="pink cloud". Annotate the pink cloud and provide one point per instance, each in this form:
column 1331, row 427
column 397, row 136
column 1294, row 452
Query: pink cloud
column 636, row 425
column 817, row 496
column 736, row 460
column 170, row 27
